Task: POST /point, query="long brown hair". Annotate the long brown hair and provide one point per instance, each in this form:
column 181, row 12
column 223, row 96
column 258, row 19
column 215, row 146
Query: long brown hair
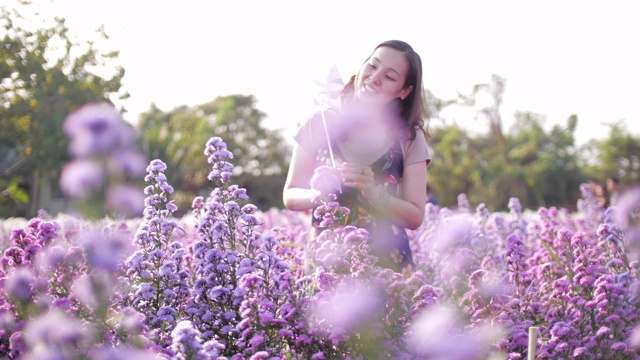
column 412, row 108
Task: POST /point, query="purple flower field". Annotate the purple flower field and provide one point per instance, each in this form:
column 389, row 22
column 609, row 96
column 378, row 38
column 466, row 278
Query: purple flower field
column 230, row 282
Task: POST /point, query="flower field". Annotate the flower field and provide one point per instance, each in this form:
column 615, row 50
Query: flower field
column 231, row 282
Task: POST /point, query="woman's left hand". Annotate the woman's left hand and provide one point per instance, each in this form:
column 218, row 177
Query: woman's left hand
column 361, row 178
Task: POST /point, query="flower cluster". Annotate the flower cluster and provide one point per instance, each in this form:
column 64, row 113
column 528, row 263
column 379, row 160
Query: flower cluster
column 157, row 276
column 59, row 280
column 245, row 296
column 569, row 275
column 104, row 156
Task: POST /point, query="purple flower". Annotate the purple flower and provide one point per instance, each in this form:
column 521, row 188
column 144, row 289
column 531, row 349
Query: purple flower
column 580, row 351
column 134, row 260
column 560, row 329
column 634, row 338
column 124, row 353
column 619, row 346
column 167, row 313
column 62, row 303
column 48, row 229
column 17, row 345
column 56, row 329
column 350, row 306
column 127, row 161
column 79, row 178
column 218, row 291
column 326, row 180
column 156, row 166
column 186, row 339
column 260, row 355
column 97, row 128
column 19, row 284
column 214, row 144
column 103, row 252
column 250, row 280
column 256, row 340
column 514, row 205
column 146, row 291
column 628, row 207
column 126, row 199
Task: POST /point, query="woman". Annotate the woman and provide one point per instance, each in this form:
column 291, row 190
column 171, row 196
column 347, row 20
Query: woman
column 378, row 140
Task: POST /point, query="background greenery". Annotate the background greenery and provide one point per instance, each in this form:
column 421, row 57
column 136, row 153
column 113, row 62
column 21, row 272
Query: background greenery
column 44, row 76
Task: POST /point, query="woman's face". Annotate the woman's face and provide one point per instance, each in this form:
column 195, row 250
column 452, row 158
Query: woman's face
column 381, row 78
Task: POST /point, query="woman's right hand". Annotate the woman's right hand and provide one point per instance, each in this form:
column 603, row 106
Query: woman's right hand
column 360, row 177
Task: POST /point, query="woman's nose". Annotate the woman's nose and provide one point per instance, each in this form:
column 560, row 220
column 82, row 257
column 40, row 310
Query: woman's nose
column 375, row 77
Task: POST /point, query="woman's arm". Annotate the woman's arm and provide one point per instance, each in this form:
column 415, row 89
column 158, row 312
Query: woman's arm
column 408, row 209
column 297, row 193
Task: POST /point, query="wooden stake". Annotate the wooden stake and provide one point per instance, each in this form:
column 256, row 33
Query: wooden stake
column 533, row 336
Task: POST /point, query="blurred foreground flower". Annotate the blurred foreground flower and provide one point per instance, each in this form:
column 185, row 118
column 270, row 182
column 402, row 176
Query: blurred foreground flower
column 80, row 178
column 97, row 129
column 440, row 333
column 103, row 147
column 350, row 306
column 326, row 181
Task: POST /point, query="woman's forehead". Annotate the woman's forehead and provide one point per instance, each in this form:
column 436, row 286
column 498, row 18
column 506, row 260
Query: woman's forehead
column 391, row 58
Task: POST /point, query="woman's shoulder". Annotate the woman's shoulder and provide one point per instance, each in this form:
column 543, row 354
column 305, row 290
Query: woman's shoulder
column 318, row 116
column 409, row 136
column 415, row 147
column 312, row 133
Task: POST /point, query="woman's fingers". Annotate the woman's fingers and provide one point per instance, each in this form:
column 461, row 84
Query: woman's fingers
column 355, row 172
column 359, row 177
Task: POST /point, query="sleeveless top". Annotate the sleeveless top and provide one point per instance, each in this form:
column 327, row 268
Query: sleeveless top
column 387, row 241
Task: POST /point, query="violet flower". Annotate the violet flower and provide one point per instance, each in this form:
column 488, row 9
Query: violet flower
column 96, row 128
column 81, row 177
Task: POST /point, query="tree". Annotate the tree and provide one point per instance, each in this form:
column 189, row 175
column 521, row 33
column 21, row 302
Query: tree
column 618, row 156
column 178, row 138
column 453, row 167
column 539, row 168
column 549, row 162
column 41, row 82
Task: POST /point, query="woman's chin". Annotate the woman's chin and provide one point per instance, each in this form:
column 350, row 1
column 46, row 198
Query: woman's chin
column 370, row 99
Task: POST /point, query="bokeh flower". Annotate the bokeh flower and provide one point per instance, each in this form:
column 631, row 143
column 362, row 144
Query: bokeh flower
column 95, row 129
column 126, row 199
column 81, row 177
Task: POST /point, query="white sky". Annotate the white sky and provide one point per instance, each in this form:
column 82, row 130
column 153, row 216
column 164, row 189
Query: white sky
column 558, row 57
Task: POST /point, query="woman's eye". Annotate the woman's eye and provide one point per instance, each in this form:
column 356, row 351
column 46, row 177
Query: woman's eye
column 390, row 78
column 372, row 66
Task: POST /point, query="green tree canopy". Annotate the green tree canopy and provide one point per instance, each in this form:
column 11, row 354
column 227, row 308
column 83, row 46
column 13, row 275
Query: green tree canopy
column 42, row 80
column 539, row 168
column 616, row 156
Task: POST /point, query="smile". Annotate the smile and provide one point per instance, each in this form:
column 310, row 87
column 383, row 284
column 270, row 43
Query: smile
column 369, row 89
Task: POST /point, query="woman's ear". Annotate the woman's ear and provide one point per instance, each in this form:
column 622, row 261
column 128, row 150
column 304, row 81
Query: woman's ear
column 405, row 92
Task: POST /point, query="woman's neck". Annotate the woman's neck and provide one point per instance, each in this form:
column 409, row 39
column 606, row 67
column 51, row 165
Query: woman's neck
column 370, row 114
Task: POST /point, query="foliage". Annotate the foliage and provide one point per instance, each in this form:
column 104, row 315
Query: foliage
column 539, row 167
column 44, row 75
column 454, row 167
column 176, row 138
column 617, row 156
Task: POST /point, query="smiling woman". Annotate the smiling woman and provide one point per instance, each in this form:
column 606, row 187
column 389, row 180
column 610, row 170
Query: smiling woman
column 378, row 137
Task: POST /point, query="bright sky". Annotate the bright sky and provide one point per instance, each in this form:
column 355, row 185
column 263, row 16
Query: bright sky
column 558, row 57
